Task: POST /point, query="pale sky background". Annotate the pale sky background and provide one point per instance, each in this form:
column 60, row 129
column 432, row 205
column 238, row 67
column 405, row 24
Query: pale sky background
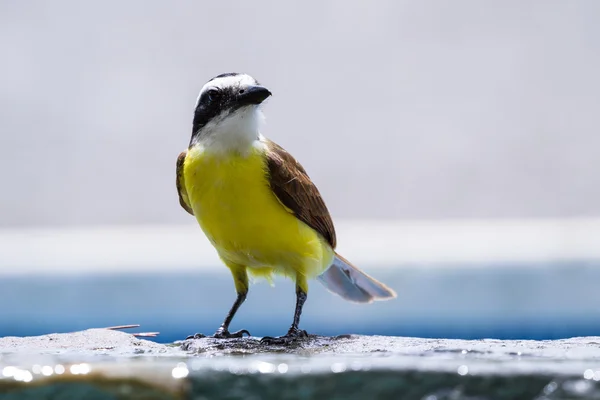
column 397, row 109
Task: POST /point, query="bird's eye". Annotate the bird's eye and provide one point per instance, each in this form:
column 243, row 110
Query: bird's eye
column 213, row 94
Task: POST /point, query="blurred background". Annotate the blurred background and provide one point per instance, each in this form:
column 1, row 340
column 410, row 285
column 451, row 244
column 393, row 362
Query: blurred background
column 455, row 143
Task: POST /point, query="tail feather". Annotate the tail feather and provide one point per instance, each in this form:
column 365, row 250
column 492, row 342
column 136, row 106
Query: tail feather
column 349, row 282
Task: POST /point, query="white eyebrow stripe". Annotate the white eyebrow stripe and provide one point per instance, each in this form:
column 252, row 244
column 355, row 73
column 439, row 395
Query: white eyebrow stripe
column 227, row 81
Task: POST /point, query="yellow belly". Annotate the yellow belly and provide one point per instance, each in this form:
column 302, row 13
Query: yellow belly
column 244, row 220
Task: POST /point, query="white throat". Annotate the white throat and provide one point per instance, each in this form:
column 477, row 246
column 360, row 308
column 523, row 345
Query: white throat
column 232, row 132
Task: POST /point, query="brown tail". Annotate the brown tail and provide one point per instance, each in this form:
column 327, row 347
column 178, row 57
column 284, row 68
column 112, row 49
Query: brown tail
column 349, row 282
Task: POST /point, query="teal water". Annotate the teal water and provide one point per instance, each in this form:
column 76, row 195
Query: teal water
column 525, row 301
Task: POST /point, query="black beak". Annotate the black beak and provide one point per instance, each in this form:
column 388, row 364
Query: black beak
column 252, row 95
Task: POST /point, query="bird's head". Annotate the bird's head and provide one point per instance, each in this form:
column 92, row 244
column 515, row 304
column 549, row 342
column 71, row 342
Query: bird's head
column 228, row 107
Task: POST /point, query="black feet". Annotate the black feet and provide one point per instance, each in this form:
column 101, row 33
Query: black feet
column 196, row 336
column 293, row 335
column 225, row 334
column 221, row 333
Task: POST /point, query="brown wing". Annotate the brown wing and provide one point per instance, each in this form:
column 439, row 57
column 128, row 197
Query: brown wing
column 180, row 181
column 292, row 186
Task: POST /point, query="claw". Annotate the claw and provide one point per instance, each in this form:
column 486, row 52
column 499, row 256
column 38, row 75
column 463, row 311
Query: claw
column 293, row 335
column 221, row 334
column 225, row 334
column 196, row 336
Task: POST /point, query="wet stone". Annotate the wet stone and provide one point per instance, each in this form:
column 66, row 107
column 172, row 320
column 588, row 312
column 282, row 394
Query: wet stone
column 106, row 364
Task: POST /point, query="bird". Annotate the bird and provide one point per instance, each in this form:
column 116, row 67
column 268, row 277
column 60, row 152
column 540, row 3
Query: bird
column 257, row 205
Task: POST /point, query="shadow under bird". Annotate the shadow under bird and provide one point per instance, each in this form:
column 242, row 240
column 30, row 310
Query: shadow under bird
column 258, row 206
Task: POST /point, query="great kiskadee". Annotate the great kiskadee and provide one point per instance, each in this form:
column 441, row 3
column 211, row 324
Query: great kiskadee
column 257, row 205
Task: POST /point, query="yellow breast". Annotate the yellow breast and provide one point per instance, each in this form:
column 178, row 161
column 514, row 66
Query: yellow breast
column 244, row 220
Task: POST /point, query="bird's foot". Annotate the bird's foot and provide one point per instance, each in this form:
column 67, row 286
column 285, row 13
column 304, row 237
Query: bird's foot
column 196, row 336
column 221, row 333
column 293, row 335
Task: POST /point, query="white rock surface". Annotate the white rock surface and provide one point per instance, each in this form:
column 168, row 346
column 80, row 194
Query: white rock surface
column 348, row 366
column 569, row 356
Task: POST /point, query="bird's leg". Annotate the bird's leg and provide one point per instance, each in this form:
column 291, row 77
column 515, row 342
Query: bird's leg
column 294, row 332
column 240, row 278
column 223, row 331
column 300, row 299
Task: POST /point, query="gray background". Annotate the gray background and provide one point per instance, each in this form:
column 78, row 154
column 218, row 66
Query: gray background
column 402, row 109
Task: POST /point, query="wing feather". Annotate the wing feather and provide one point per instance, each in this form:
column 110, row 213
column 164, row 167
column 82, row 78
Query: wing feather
column 180, row 182
column 294, row 189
